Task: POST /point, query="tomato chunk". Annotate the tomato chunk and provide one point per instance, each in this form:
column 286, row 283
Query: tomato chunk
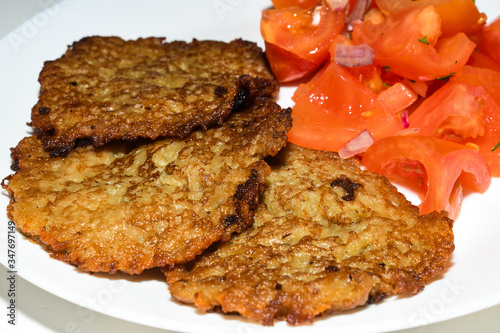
column 465, row 110
column 439, row 168
column 482, row 60
column 456, row 15
column 335, row 107
column 297, row 40
column 489, row 40
column 397, row 97
column 455, row 112
column 408, row 42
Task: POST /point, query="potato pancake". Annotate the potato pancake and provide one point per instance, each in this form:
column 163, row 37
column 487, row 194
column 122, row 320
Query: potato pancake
column 107, row 88
column 327, row 237
column 129, row 208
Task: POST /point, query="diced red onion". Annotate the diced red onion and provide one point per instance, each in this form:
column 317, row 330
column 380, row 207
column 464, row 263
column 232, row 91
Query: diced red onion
column 404, row 119
column 358, row 13
column 337, row 5
column 357, row 145
column 354, row 55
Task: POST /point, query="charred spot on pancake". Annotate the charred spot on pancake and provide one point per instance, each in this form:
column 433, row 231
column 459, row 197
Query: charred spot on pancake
column 241, row 97
column 377, row 298
column 60, row 152
column 84, row 142
column 230, row 220
column 43, row 110
column 220, row 91
column 348, row 185
column 332, row 269
column 15, row 166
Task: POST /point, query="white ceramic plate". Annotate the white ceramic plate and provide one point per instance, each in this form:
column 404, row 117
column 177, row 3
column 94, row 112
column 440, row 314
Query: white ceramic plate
column 468, row 285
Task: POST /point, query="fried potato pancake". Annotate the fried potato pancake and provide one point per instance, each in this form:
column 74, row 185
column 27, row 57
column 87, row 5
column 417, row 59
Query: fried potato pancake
column 328, row 237
column 107, row 88
column 163, row 202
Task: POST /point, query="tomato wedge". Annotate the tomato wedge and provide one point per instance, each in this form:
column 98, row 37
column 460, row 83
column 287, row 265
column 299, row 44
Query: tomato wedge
column 489, row 40
column 440, row 168
column 482, row 60
column 297, row 40
column 465, row 110
column 455, row 112
column 408, row 43
column 335, row 107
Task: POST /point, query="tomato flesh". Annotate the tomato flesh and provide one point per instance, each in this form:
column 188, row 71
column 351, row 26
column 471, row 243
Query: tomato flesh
column 455, row 112
column 296, row 45
column 482, row 60
column 334, row 107
column 465, row 110
column 456, row 15
column 439, row 167
column 408, row 43
column 397, row 97
column 489, row 40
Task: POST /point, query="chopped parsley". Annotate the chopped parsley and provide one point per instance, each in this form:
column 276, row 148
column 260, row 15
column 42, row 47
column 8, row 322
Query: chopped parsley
column 496, row 146
column 446, row 78
column 386, row 68
column 424, row 40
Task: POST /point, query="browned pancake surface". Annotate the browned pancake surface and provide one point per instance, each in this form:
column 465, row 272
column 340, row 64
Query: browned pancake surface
column 328, row 237
column 107, row 88
column 160, row 203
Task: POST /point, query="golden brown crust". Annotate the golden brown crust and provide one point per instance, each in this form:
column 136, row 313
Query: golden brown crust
column 130, row 207
column 314, row 250
column 106, row 88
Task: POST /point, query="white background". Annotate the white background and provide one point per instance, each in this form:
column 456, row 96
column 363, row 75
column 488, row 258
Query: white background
column 40, row 311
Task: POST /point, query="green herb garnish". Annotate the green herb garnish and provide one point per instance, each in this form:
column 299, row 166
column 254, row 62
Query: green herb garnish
column 446, row 78
column 424, row 40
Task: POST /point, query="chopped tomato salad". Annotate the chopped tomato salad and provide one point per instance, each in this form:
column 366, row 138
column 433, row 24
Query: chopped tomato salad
column 410, row 87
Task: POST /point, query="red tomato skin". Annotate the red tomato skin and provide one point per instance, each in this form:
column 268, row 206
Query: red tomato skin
column 482, row 60
column 287, row 66
column 438, row 163
column 490, row 40
column 295, row 47
column 460, row 16
column 400, row 45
